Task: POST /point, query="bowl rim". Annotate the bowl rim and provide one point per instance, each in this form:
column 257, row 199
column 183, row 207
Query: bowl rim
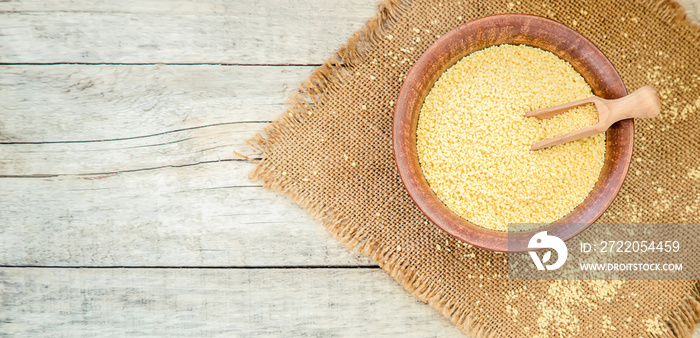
column 603, row 193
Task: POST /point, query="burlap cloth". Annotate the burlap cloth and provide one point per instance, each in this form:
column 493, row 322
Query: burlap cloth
column 331, row 153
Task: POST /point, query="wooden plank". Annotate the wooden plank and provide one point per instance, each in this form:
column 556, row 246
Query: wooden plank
column 151, row 31
column 181, row 7
column 178, row 148
column 201, row 215
column 206, row 303
column 80, row 103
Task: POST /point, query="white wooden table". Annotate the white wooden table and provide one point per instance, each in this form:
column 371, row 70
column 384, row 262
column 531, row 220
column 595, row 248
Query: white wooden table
column 123, row 210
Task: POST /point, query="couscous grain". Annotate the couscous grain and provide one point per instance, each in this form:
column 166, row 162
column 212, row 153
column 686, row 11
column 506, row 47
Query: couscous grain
column 474, row 142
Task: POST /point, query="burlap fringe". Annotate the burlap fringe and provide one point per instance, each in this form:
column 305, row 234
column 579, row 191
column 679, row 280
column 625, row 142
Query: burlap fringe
column 683, row 319
column 324, row 82
column 672, row 13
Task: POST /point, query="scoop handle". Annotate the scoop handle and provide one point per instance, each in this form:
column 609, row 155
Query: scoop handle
column 643, row 103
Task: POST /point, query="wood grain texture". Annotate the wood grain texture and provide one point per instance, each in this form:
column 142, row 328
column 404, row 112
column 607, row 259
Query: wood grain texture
column 243, row 32
column 208, row 214
column 171, row 149
column 206, row 303
column 56, row 103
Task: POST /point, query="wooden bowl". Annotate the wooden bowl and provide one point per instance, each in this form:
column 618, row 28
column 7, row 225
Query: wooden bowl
column 515, row 29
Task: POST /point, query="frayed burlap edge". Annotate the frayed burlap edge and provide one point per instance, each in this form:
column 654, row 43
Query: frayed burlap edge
column 324, row 81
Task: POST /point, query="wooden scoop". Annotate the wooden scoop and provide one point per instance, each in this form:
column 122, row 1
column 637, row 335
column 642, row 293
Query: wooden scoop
column 643, row 103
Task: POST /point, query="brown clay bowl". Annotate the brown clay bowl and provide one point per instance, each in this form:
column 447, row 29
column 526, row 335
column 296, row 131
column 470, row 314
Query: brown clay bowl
column 515, row 29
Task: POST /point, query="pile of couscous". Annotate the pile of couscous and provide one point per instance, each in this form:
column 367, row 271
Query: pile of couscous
column 474, row 141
